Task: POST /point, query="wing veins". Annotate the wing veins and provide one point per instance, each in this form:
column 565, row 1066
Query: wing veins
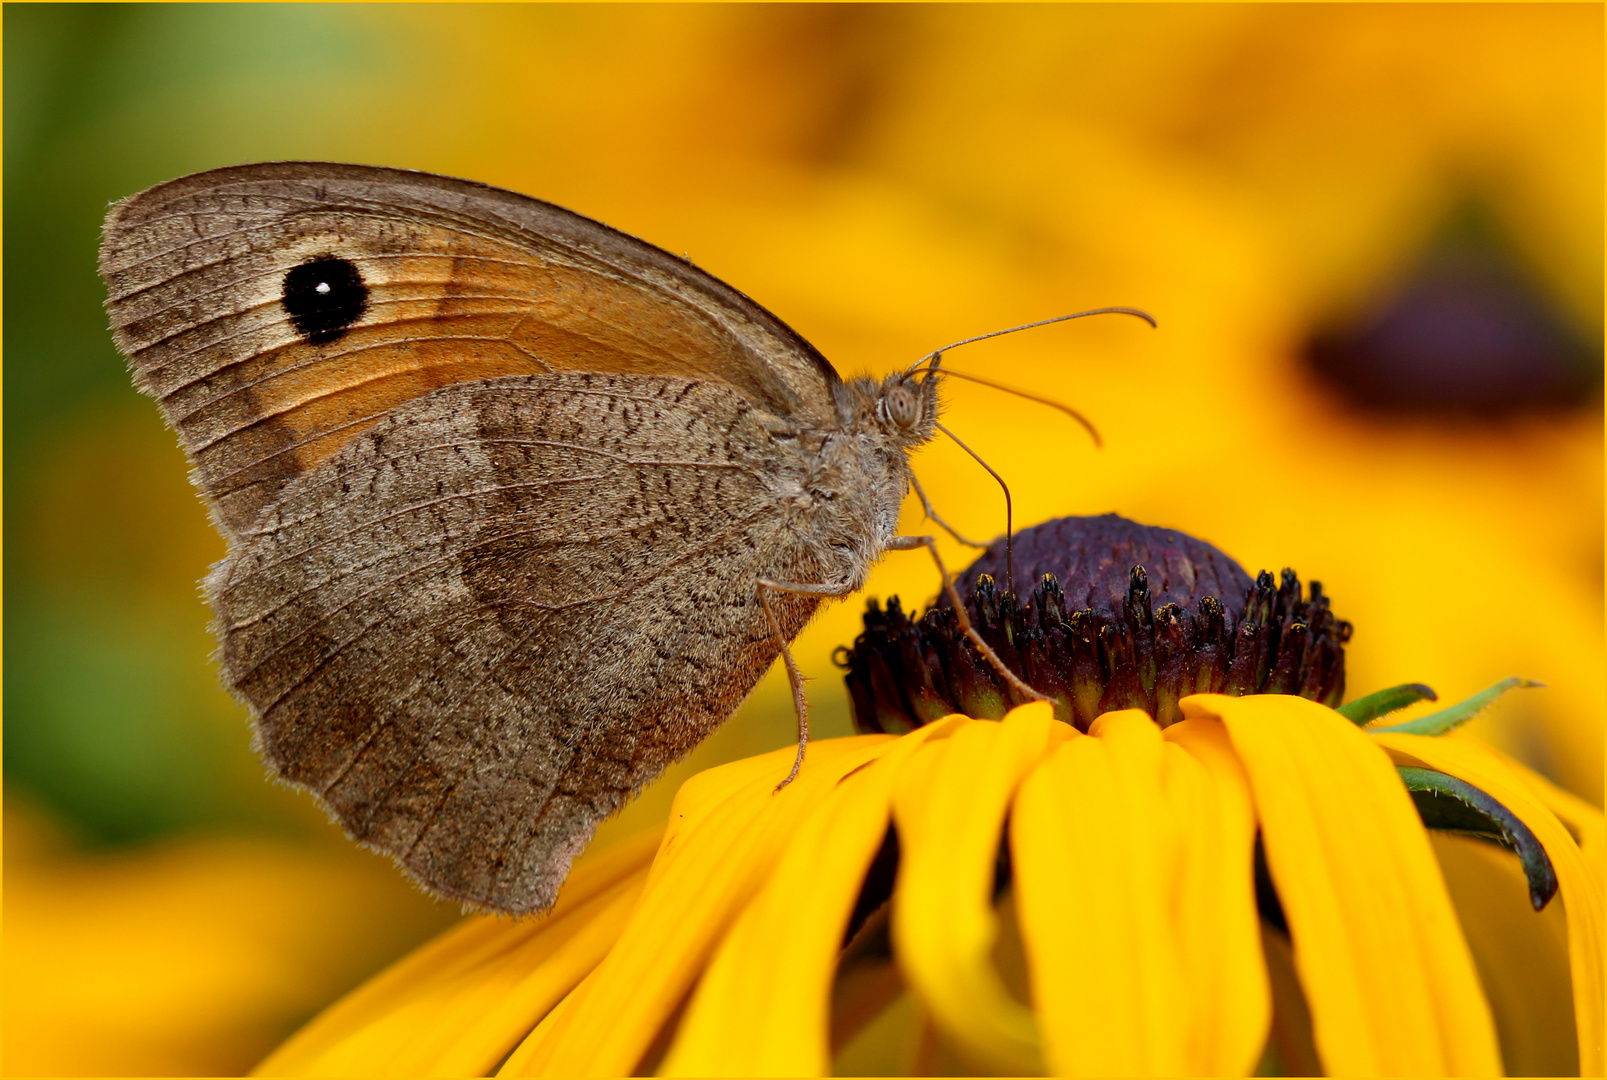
column 457, row 779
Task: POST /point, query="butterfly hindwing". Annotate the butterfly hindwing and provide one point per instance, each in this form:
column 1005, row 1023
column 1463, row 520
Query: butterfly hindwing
column 494, row 614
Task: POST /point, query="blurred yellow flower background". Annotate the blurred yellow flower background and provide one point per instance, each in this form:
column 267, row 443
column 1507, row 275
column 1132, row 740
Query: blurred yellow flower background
column 886, row 179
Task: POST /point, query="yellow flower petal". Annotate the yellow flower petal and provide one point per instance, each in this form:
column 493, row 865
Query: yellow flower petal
column 1583, row 820
column 1382, row 959
column 1522, row 955
column 1094, row 849
column 727, row 829
column 530, row 1058
column 763, row 1006
column 1214, row 906
column 465, row 1027
column 950, row 803
column 411, row 1017
column 1513, row 786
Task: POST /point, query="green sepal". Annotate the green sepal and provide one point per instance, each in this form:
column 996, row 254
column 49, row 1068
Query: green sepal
column 1456, row 806
column 1438, row 723
column 1364, row 710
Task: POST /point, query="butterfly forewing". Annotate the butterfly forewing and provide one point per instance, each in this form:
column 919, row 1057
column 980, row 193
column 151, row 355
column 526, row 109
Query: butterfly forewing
column 276, row 310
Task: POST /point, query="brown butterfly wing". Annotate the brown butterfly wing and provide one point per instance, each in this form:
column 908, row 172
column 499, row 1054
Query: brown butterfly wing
column 408, row 281
column 498, row 611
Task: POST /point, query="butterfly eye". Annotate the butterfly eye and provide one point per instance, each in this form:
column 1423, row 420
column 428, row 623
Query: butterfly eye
column 324, row 297
column 902, row 406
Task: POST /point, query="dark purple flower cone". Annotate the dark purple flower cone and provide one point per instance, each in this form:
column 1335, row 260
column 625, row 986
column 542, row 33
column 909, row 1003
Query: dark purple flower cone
column 1091, row 557
column 1121, row 615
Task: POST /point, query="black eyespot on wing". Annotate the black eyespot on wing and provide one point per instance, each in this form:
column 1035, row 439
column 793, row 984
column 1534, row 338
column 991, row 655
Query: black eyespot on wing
column 324, row 297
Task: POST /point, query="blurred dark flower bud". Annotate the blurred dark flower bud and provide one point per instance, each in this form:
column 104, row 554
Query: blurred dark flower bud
column 1467, row 330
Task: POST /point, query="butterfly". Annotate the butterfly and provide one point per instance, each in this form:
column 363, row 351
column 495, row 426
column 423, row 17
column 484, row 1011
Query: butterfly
column 518, row 508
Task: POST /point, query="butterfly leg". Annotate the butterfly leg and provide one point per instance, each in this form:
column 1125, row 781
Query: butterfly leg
column 800, row 705
column 910, row 543
column 927, row 509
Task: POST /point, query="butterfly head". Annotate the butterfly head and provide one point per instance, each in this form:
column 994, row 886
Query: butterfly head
column 906, row 406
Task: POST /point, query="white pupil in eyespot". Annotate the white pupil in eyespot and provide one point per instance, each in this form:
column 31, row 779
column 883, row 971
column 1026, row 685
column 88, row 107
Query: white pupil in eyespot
column 321, row 287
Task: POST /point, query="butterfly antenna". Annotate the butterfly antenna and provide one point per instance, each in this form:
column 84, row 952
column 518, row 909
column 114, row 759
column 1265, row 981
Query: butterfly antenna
column 1009, row 531
column 1088, row 425
column 934, row 359
column 1137, row 313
